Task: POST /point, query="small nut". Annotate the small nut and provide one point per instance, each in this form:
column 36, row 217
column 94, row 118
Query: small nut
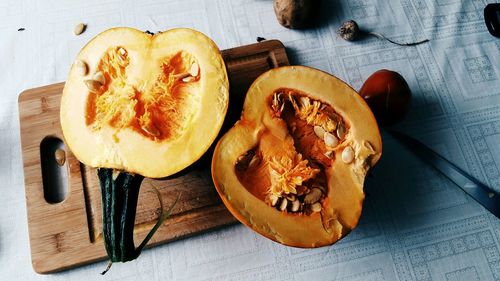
column 81, row 68
column 194, row 70
column 79, row 28
column 295, row 205
column 319, row 131
column 60, row 156
column 330, row 140
column 283, row 204
column 348, row 155
column 313, row 196
column 316, row 207
column 99, row 77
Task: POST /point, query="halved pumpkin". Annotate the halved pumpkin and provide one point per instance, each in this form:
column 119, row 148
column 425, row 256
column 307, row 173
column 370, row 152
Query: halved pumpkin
column 138, row 105
column 293, row 167
column 161, row 103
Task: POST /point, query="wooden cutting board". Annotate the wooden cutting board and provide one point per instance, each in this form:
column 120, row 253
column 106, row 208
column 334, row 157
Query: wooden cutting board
column 68, row 233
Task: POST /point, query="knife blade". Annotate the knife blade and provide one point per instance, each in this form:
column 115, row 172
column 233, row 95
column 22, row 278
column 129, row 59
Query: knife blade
column 487, row 197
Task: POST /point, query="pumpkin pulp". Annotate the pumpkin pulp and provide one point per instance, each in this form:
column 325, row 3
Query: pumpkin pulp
column 159, row 108
column 294, row 166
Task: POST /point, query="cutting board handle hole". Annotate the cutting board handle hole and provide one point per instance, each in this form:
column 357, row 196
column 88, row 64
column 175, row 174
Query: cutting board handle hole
column 54, row 170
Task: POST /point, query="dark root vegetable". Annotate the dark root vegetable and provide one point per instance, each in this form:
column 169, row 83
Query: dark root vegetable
column 388, row 96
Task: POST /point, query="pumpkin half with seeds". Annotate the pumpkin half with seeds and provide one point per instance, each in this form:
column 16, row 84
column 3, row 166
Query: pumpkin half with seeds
column 147, row 104
column 293, row 167
column 141, row 105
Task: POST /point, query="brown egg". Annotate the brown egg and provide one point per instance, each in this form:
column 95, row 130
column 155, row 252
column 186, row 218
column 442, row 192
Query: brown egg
column 388, row 96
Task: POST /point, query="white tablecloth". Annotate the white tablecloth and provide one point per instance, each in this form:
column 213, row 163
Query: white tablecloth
column 416, row 224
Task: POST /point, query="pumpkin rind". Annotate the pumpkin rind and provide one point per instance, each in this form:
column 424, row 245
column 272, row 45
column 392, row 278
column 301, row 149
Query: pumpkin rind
column 343, row 203
column 124, row 148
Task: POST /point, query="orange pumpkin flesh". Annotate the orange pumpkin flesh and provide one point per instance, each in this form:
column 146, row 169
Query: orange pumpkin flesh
column 277, row 172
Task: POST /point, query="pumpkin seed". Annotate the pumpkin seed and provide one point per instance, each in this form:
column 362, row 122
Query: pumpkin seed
column 348, row 155
column 295, row 205
column 180, row 75
column 240, row 158
column 60, row 156
column 329, row 154
column 313, row 196
column 194, row 70
column 79, row 28
column 93, row 85
column 316, row 207
column 122, row 51
column 340, row 131
column 99, row 77
column 254, row 162
column 151, row 129
column 81, row 68
column 320, row 187
column 283, row 204
column 319, row 131
column 330, row 140
column 273, row 199
column 188, row 79
column 290, row 197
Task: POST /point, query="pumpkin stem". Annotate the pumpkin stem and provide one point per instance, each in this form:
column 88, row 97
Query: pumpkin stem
column 120, row 193
column 119, row 204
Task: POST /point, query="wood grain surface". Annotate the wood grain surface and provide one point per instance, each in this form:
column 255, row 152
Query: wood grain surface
column 68, row 234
